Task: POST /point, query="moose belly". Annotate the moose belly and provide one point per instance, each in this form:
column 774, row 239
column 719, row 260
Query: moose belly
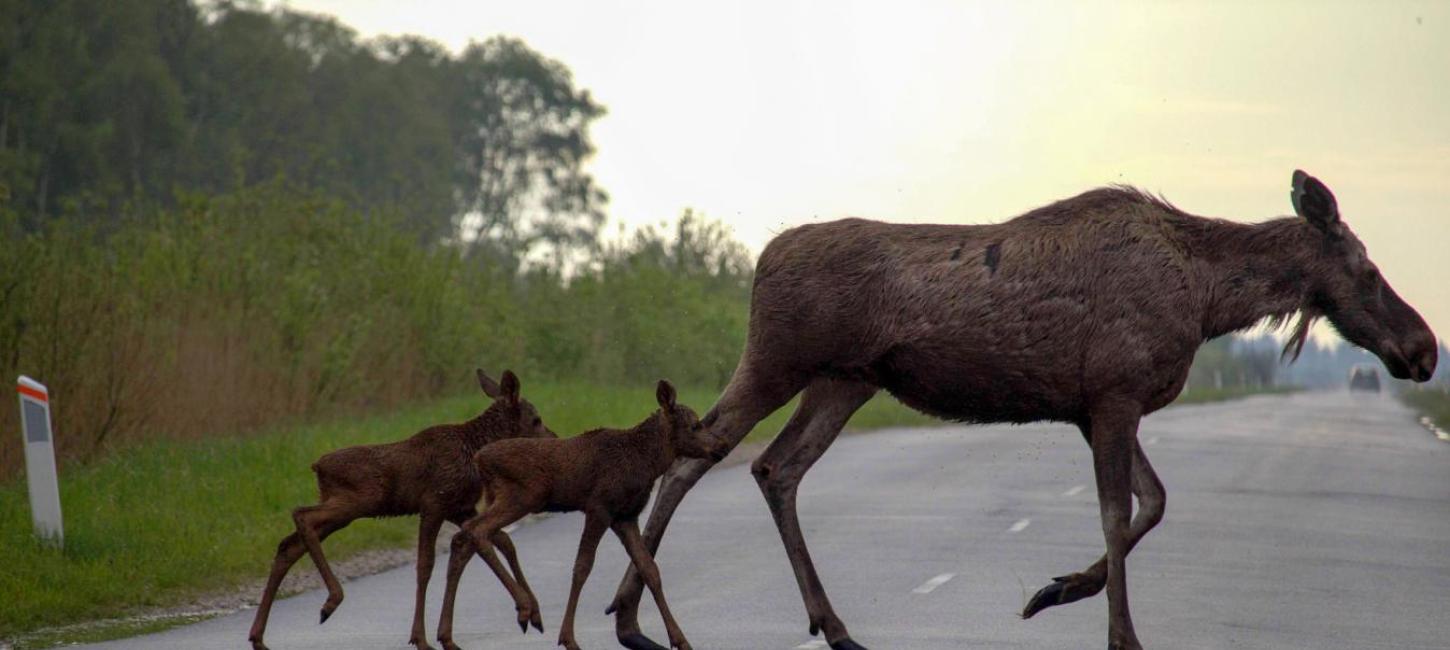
column 960, row 383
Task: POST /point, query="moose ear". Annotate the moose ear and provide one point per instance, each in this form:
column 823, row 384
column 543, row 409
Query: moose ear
column 489, row 386
column 1313, row 201
column 665, row 394
column 509, row 385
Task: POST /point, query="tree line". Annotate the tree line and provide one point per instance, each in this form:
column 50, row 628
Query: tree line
column 104, row 104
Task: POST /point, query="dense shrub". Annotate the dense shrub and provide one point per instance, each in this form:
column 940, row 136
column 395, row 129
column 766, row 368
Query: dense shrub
column 227, row 313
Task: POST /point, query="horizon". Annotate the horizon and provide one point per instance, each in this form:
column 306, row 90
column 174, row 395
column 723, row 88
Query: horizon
column 765, row 116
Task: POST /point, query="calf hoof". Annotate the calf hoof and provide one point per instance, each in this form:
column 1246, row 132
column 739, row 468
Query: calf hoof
column 569, row 643
column 1063, row 590
column 328, row 608
column 448, row 644
column 420, row 643
column 847, row 644
column 637, row 641
column 258, row 645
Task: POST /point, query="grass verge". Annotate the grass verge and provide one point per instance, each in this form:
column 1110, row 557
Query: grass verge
column 1431, row 402
column 165, row 523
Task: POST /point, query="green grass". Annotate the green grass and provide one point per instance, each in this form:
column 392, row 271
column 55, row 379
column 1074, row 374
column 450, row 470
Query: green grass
column 158, row 524
column 1433, row 403
column 1207, row 395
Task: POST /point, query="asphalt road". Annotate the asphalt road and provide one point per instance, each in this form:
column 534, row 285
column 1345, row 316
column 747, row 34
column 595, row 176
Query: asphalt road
column 1309, row 521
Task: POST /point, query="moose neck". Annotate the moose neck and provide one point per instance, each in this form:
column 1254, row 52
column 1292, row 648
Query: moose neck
column 483, row 429
column 653, row 442
column 1254, row 272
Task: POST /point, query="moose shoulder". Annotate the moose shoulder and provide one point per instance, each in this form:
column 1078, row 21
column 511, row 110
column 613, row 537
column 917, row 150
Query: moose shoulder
column 1087, row 311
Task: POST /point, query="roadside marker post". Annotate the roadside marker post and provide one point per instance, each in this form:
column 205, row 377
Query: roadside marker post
column 40, row 460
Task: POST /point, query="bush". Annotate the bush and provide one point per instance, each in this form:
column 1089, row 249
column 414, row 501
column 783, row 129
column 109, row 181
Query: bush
column 274, row 304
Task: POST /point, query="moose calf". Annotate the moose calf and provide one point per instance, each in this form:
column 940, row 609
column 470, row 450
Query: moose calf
column 605, row 473
column 431, row 474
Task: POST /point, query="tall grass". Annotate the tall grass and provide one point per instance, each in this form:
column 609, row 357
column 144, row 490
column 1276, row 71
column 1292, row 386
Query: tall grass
column 272, row 305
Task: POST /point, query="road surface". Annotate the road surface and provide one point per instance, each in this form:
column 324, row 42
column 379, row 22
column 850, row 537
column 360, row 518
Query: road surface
column 1318, row 520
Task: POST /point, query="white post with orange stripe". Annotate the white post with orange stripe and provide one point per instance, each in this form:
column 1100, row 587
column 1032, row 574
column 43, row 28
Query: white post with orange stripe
column 40, row 460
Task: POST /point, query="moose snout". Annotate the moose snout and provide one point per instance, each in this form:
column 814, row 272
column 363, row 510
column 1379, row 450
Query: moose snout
column 1422, row 366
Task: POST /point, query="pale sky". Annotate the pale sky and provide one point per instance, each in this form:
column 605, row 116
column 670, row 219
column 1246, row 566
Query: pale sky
column 770, row 114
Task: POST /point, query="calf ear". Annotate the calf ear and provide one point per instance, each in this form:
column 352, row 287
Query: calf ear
column 510, row 385
column 1313, row 201
column 489, row 386
column 665, row 394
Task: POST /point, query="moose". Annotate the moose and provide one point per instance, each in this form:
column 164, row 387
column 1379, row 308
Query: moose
column 430, row 474
column 605, row 473
column 1086, row 311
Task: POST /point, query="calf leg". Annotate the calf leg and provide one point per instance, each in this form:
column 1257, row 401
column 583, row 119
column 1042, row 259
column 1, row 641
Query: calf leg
column 628, row 532
column 825, row 407
column 310, row 519
column 288, row 552
column 750, row 396
column 428, row 526
column 594, row 527
column 1077, row 586
column 506, row 546
column 476, row 535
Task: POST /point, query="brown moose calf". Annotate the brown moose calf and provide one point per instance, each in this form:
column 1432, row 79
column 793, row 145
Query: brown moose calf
column 431, row 474
column 605, row 473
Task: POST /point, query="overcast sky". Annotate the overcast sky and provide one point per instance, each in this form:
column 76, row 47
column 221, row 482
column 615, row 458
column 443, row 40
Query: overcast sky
column 771, row 114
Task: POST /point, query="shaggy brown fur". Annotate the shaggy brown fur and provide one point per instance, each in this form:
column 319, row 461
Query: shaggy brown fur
column 1088, row 311
column 604, row 473
column 430, row 474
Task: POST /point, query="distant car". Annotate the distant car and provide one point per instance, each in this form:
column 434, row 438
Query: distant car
column 1365, row 378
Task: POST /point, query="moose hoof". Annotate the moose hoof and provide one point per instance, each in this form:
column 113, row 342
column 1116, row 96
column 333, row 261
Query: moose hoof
column 258, row 645
column 420, row 644
column 449, row 644
column 847, row 644
column 637, row 641
column 1063, row 590
column 328, row 608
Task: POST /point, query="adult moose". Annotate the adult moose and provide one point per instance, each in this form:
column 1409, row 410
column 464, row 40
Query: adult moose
column 1085, row 311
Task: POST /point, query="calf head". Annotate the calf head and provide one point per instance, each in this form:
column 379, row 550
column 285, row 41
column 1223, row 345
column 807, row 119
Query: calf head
column 517, row 417
column 682, row 426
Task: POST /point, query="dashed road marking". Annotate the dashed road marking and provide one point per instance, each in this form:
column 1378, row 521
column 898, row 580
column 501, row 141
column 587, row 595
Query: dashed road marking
column 931, row 585
column 1074, row 490
column 1152, row 441
column 509, row 529
column 812, row 645
column 1021, row 525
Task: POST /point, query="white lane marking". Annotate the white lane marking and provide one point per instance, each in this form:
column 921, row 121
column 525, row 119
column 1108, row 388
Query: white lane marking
column 509, row 529
column 812, row 645
column 931, row 585
column 1074, row 490
column 1152, row 441
column 1021, row 525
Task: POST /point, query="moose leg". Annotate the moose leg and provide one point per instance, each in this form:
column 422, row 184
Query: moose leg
column 1071, row 588
column 1114, row 435
column 309, row 520
column 428, row 526
column 594, row 526
column 748, row 398
column 474, row 536
column 825, row 407
column 628, row 532
column 288, row 552
column 506, row 546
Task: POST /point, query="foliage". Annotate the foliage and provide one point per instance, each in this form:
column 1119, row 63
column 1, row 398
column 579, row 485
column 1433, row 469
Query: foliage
column 104, row 103
column 1431, row 401
column 273, row 303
